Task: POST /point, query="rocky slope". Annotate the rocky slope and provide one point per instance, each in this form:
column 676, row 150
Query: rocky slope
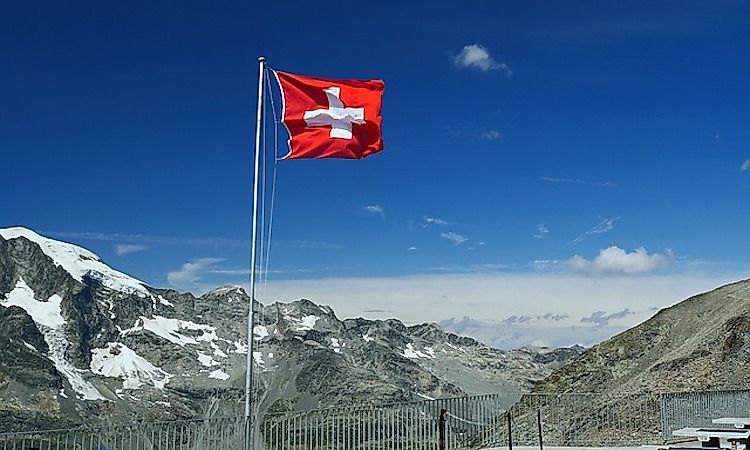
column 610, row 392
column 700, row 343
column 80, row 341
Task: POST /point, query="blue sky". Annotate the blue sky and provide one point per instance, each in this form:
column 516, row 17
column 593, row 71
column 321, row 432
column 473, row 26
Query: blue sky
column 528, row 132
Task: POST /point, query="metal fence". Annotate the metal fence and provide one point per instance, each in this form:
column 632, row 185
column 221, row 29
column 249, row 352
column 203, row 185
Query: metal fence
column 698, row 409
column 209, row 434
column 402, row 426
column 485, row 421
column 577, row 420
column 568, row 419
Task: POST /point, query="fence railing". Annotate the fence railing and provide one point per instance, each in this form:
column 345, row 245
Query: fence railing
column 389, row 427
column 209, row 434
column 698, row 409
column 478, row 422
column 577, row 420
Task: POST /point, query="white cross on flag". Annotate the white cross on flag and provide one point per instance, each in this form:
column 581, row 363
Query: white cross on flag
column 329, row 118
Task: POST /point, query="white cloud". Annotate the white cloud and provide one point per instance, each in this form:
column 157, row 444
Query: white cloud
column 191, row 273
column 473, row 245
column 495, row 295
column 490, row 267
column 475, row 55
column 473, row 268
column 435, row 221
column 308, row 245
column 149, row 239
column 542, row 231
column 412, row 248
column 491, row 135
column 602, row 319
column 545, row 265
column 551, row 329
column 616, row 261
column 607, row 184
column 745, row 165
column 377, row 210
column 456, row 238
column 124, row 249
column 602, row 227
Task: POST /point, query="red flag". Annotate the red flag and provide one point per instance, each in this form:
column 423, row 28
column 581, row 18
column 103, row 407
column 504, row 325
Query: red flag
column 328, row 118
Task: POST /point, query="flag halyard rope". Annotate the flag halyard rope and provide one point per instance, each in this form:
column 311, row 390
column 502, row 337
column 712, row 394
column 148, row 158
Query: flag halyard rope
column 276, row 121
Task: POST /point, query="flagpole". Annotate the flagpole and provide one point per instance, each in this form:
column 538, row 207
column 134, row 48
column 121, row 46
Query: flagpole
column 249, row 441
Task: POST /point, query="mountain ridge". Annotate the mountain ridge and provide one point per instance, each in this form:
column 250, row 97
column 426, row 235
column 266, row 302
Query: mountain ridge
column 106, row 346
column 701, row 343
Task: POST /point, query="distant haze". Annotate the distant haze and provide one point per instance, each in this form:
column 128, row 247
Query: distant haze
column 549, row 309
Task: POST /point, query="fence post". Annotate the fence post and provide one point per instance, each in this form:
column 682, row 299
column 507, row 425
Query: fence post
column 539, row 427
column 510, row 429
column 441, row 438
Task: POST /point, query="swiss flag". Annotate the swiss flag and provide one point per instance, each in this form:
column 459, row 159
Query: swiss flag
column 328, row 118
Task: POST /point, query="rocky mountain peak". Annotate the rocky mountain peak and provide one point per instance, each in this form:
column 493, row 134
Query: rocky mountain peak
column 698, row 344
column 80, row 341
column 78, row 262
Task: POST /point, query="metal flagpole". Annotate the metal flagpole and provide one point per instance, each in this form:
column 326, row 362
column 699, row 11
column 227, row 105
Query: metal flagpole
column 249, row 441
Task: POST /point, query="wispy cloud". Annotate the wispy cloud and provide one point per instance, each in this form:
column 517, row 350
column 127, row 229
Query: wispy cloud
column 473, row 268
column 308, row 245
column 377, row 210
column 474, row 245
column 477, row 56
column 602, row 227
column 541, row 231
column 491, row 135
column 456, row 238
column 147, row 239
column 601, row 318
column 745, row 165
column 379, row 311
column 246, row 272
column 435, row 221
column 412, row 248
column 616, row 261
column 228, row 271
column 491, row 267
column 124, row 249
column 151, row 240
column 605, row 184
column 191, row 273
column 545, row 265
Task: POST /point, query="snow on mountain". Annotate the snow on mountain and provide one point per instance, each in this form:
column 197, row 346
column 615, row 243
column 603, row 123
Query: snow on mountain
column 119, row 361
column 219, row 375
column 88, row 342
column 174, row 330
column 46, row 314
column 411, row 352
column 48, row 318
column 260, row 332
column 79, row 262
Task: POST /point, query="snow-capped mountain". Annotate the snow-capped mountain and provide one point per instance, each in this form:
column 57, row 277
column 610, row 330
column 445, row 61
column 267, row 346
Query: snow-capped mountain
column 80, row 341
